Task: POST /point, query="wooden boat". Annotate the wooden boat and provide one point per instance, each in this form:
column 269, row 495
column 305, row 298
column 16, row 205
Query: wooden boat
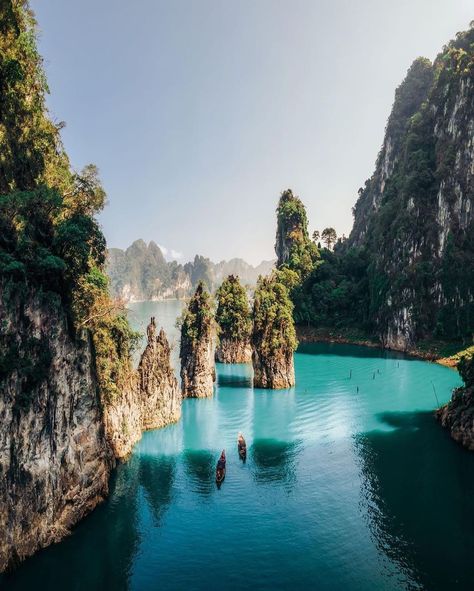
column 220, row 475
column 220, row 469
column 242, row 447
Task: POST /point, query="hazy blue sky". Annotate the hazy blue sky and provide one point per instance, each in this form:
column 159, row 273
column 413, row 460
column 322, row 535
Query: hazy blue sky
column 199, row 113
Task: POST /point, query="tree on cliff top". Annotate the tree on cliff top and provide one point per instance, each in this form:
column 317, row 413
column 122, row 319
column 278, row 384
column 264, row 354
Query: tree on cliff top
column 273, row 325
column 195, row 322
column 293, row 246
column 49, row 239
column 233, row 314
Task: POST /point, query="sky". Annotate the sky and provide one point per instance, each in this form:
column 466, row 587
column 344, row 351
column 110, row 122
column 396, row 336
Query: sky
column 200, row 113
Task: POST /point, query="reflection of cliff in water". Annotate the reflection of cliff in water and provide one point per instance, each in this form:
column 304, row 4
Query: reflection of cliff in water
column 274, row 461
column 233, row 375
column 157, row 477
column 418, row 488
column 98, row 555
column 199, row 466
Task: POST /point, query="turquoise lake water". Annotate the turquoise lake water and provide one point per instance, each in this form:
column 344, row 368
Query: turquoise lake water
column 342, row 489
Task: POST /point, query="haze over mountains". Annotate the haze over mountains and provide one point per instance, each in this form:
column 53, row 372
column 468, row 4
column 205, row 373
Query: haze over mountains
column 141, row 272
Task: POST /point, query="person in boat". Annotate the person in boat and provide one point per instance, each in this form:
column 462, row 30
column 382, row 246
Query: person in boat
column 221, row 461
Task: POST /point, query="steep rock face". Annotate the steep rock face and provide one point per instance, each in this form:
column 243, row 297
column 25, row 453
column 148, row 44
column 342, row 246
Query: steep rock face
column 275, row 371
column 197, row 368
column 458, row 415
column 58, row 444
column 233, row 351
column 54, row 458
column 197, row 347
column 151, row 399
column 160, row 394
column 415, row 215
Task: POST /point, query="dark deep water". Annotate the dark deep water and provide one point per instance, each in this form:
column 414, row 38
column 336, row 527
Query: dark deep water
column 341, row 490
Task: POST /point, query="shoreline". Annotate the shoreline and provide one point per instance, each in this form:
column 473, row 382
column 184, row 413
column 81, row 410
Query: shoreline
column 309, row 334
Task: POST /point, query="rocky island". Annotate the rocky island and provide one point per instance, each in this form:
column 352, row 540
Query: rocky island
column 273, row 335
column 197, row 346
column 234, row 322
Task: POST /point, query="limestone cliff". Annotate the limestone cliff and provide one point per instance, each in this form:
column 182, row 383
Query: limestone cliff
column 197, row 347
column 233, row 351
column 273, row 336
column 58, row 443
column 415, row 215
column 150, row 399
column 458, row 415
column 54, row 458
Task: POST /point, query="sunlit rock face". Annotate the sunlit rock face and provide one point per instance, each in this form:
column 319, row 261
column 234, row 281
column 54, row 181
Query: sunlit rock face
column 54, row 457
column 233, row 351
column 275, row 371
column 197, row 347
column 150, row 400
column 58, row 443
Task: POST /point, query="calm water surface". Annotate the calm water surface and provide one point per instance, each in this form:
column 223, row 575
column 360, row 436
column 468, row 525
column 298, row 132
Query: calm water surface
column 342, row 489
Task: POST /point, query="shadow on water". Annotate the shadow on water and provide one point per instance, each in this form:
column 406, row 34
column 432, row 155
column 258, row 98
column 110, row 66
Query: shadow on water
column 200, row 468
column 157, row 476
column 343, row 350
column 418, row 487
column 274, row 461
column 102, row 549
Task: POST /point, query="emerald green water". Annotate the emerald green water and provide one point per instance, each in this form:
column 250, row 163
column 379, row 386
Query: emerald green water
column 341, row 489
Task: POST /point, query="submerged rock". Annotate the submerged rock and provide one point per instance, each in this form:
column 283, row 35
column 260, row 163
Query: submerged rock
column 197, row 348
column 273, row 337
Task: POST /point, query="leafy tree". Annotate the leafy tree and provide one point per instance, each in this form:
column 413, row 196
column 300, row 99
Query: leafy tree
column 273, row 324
column 329, row 237
column 316, row 236
column 195, row 322
column 233, row 314
column 293, row 247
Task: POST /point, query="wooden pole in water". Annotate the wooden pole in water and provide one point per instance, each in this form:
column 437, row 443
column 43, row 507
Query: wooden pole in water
column 350, row 374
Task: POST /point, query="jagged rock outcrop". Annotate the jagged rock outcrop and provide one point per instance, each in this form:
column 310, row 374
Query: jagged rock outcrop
column 197, row 347
column 54, row 458
column 151, row 398
column 234, row 322
column 458, row 415
column 159, row 390
column 58, row 443
column 273, row 336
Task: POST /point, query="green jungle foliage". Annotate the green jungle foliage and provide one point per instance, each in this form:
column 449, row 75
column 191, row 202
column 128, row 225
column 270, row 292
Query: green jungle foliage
column 292, row 235
column 273, row 324
column 363, row 286
column 233, row 315
column 49, row 239
column 196, row 320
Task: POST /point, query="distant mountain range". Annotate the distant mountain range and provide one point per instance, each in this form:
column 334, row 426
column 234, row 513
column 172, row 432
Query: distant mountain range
column 141, row 272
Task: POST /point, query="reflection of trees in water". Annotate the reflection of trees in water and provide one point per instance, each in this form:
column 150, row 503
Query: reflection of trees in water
column 200, row 467
column 274, row 461
column 157, row 477
column 418, row 488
